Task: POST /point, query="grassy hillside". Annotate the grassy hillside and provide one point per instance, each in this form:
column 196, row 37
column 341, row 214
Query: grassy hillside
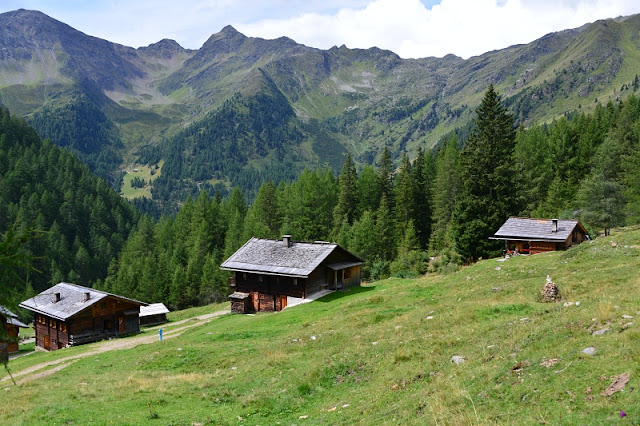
column 381, row 354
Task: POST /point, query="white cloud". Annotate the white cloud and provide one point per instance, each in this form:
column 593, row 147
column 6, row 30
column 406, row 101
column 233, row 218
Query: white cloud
column 463, row 27
column 407, row 27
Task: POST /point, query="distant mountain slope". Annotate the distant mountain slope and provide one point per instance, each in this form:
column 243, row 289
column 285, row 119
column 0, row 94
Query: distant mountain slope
column 343, row 99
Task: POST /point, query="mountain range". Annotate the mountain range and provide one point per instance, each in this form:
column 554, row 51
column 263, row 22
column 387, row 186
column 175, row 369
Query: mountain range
column 240, row 110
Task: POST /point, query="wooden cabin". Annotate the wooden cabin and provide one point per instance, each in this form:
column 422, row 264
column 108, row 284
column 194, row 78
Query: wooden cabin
column 11, row 326
column 69, row 315
column 532, row 236
column 270, row 275
column 154, row 314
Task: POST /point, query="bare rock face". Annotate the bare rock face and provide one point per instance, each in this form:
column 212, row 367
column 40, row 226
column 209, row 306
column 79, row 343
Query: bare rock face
column 550, row 291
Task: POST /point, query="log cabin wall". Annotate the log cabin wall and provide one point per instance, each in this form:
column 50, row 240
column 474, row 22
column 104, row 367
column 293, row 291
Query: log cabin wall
column 90, row 325
column 11, row 332
column 318, row 280
column 542, row 247
column 51, row 333
column 268, row 289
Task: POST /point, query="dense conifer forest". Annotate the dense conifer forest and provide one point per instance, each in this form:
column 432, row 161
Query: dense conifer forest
column 435, row 212
column 82, row 224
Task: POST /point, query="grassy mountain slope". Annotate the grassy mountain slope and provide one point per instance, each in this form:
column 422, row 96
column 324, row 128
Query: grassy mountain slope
column 350, row 99
column 381, row 354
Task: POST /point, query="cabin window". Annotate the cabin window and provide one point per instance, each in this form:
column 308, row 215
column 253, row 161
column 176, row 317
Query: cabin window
column 260, row 278
column 244, row 276
column 295, row 281
column 347, row 273
column 103, row 305
column 52, row 324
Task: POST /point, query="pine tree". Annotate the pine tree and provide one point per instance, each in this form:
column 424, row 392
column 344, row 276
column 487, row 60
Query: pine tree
column 385, row 176
column 446, row 185
column 404, row 195
column 423, row 175
column 487, row 196
column 346, row 207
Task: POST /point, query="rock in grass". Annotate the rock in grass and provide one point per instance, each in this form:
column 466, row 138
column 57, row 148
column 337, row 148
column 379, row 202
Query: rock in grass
column 457, row 359
column 550, row 292
column 600, row 332
column 589, row 351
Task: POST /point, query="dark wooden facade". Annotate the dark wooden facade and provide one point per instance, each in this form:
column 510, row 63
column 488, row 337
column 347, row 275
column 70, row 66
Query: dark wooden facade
column 11, row 332
column 110, row 317
column 261, row 292
column 10, row 326
column 69, row 314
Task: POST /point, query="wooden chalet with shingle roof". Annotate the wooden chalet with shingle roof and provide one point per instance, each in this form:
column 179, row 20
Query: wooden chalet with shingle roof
column 540, row 235
column 69, row 314
column 11, row 326
column 272, row 274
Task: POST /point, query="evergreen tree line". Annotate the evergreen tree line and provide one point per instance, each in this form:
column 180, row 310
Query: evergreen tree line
column 442, row 206
column 80, row 221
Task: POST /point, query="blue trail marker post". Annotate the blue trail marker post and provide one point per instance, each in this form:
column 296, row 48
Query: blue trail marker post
column 159, row 335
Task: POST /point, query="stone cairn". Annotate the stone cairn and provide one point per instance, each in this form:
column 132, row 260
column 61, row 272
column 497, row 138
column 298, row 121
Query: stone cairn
column 550, row 291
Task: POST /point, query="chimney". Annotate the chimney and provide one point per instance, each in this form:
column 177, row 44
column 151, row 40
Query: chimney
column 554, row 223
column 286, row 239
column 87, row 296
column 56, row 297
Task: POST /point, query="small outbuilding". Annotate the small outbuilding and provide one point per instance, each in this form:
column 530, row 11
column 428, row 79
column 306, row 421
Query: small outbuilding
column 69, row 314
column 11, row 326
column 532, row 236
column 270, row 275
column 154, row 314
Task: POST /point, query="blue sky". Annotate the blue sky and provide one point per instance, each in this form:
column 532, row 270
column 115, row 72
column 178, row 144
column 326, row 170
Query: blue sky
column 411, row 28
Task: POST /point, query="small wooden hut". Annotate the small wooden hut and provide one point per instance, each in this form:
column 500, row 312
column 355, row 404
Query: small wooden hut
column 11, row 326
column 272, row 274
column 155, row 313
column 532, row 236
column 69, row 315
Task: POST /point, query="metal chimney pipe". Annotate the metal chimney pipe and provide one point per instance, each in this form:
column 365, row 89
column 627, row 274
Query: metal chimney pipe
column 56, row 297
column 554, row 223
column 286, row 239
column 87, row 296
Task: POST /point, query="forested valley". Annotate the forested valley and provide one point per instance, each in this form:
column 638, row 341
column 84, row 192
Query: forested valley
column 433, row 212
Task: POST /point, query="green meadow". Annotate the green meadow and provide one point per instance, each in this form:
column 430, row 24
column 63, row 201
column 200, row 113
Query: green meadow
column 378, row 354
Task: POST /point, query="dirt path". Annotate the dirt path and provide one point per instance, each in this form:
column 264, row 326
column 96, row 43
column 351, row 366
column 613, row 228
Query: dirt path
column 169, row 330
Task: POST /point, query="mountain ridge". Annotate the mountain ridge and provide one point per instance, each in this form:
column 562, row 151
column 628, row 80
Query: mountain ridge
column 360, row 99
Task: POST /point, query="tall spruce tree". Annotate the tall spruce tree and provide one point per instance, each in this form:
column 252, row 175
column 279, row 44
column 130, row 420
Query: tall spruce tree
column 346, row 208
column 423, row 175
column 446, row 186
column 487, row 194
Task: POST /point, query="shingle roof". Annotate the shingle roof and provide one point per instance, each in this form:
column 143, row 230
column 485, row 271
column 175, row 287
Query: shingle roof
column 535, row 229
column 7, row 313
column 17, row 323
column 274, row 257
column 72, row 300
column 153, row 309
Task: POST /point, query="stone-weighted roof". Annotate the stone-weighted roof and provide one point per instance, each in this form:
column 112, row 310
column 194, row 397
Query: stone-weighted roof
column 536, row 229
column 275, row 257
column 72, row 300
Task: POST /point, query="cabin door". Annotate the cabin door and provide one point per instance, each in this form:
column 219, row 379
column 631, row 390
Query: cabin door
column 121, row 324
column 46, row 342
column 283, row 302
column 255, row 299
